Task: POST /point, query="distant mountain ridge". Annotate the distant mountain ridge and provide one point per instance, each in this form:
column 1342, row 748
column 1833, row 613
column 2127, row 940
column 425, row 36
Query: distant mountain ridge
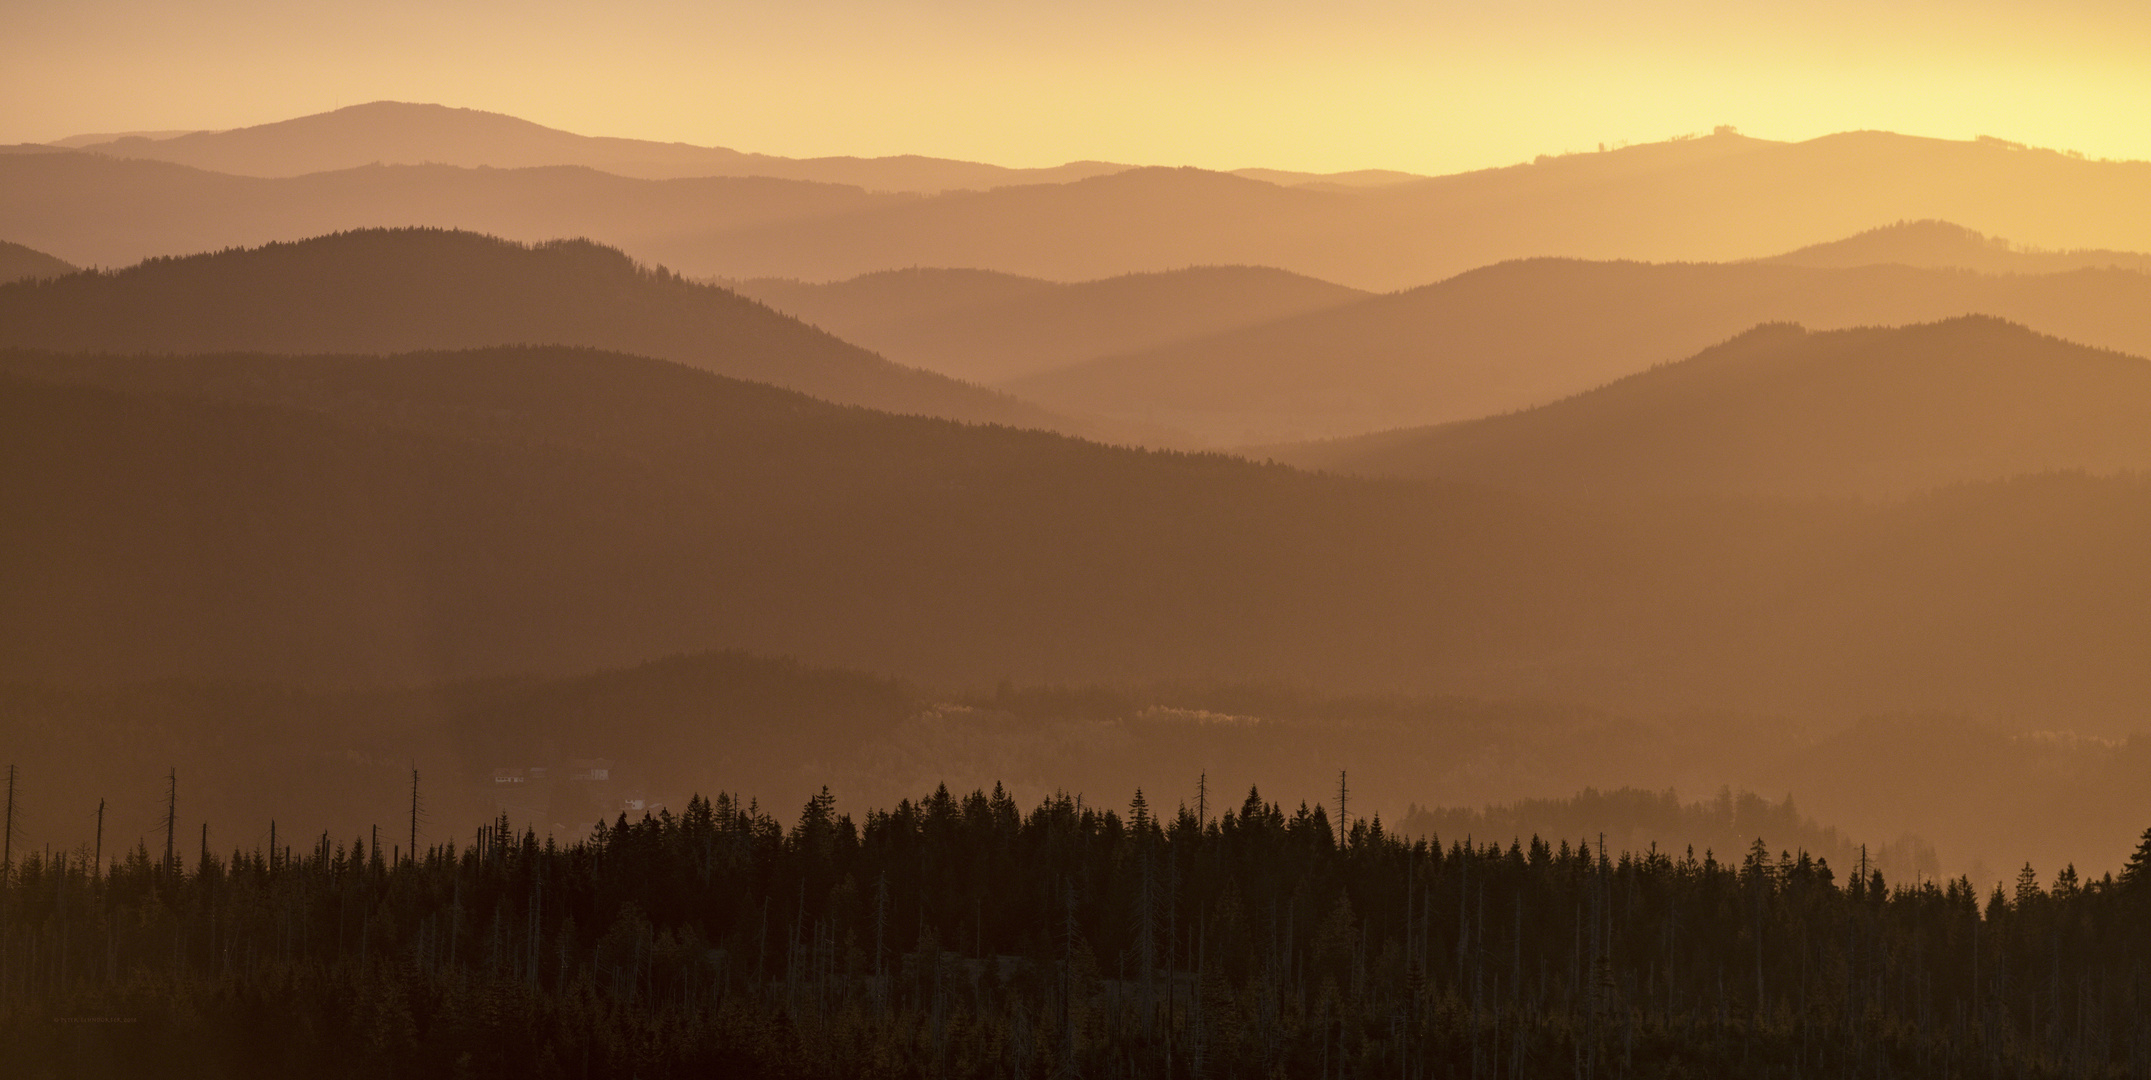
column 397, row 290
column 77, row 142
column 1717, row 198
column 407, row 133
column 1779, row 411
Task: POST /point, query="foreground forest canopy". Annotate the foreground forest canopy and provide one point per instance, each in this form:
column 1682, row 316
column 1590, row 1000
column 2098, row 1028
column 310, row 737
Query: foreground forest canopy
column 959, row 937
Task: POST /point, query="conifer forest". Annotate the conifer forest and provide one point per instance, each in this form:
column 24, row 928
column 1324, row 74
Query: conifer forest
column 964, row 936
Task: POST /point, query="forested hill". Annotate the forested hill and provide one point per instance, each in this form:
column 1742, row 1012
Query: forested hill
column 414, row 518
column 1780, row 411
column 393, row 290
column 18, row 262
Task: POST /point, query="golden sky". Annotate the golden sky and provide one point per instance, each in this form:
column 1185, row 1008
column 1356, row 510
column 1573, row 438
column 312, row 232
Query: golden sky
column 1343, row 84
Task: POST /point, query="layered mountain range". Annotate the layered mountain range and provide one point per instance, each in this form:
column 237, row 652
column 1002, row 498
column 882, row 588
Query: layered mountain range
column 1520, row 334
column 403, row 289
column 1719, row 197
column 441, row 515
column 451, row 403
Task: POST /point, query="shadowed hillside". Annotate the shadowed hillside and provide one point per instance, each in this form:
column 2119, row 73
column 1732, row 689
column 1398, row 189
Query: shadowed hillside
column 402, row 133
column 398, row 290
column 987, row 327
column 1942, row 244
column 446, row 515
column 18, row 262
column 1780, row 411
column 1515, row 335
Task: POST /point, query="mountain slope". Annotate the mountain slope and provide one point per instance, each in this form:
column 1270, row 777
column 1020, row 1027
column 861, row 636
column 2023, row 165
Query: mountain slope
column 405, row 133
column 1515, row 335
column 18, row 262
column 986, row 327
column 404, row 289
column 1945, row 245
column 412, row 518
column 1780, row 411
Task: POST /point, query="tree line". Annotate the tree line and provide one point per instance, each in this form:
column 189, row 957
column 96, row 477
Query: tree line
column 963, row 936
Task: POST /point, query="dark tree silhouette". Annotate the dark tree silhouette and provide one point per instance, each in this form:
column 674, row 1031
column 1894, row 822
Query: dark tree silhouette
column 958, row 936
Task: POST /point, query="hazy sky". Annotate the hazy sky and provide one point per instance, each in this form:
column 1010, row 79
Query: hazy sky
column 1425, row 85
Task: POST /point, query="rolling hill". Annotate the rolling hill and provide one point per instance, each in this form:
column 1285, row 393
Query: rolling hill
column 1779, row 411
column 404, row 520
column 18, row 262
column 406, row 133
column 405, row 289
column 985, row 327
column 1516, row 335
